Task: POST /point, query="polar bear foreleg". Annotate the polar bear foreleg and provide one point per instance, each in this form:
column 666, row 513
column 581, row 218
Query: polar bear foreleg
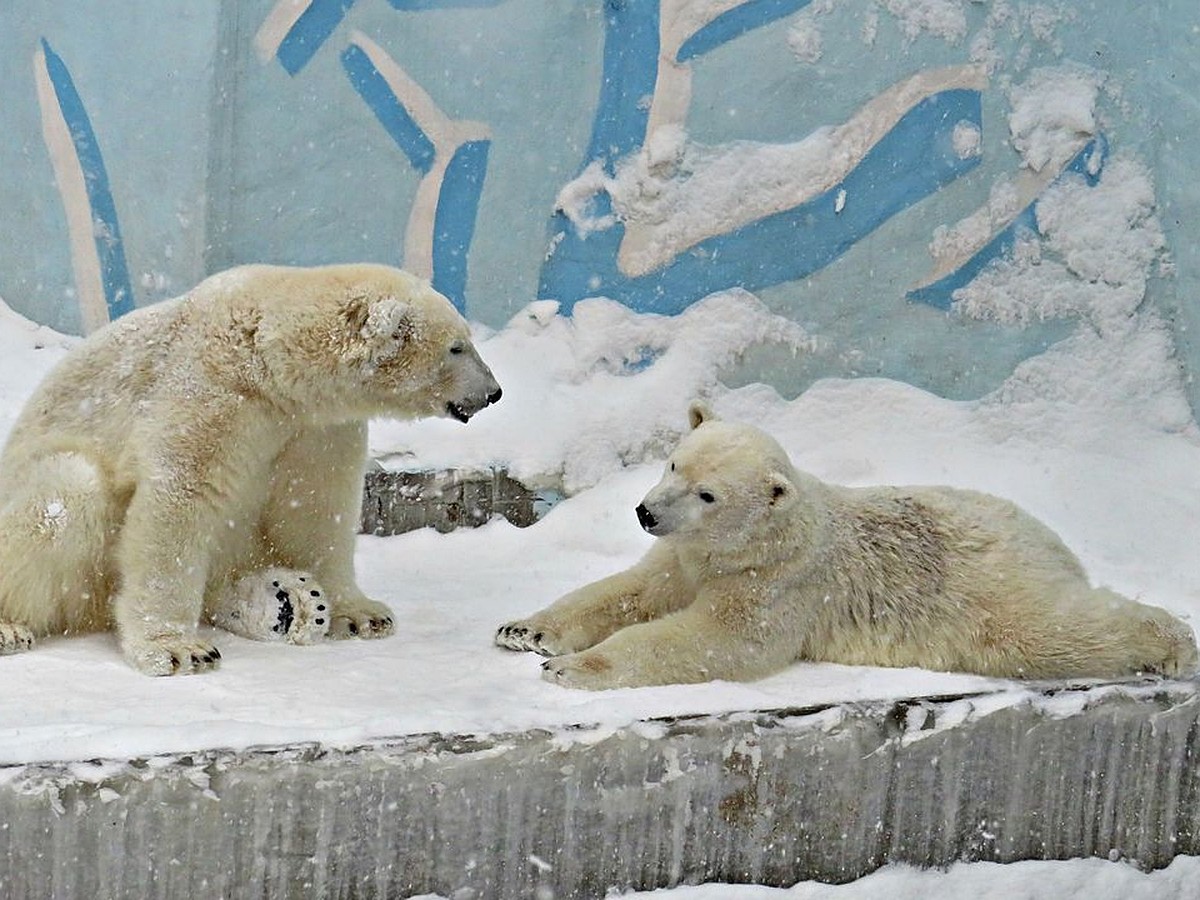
column 585, row 617
column 162, row 562
column 688, row 647
column 311, row 522
column 56, row 517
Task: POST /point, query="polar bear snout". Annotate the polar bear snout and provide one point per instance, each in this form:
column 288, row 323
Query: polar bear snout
column 646, row 518
column 464, row 409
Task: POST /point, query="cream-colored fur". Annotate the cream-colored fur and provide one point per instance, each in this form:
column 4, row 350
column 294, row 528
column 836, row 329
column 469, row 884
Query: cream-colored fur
column 758, row 565
column 208, row 437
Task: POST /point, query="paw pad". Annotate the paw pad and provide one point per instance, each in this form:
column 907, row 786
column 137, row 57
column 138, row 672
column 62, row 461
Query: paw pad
column 274, row 605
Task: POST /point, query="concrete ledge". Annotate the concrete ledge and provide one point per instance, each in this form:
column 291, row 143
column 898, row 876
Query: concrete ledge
column 396, row 502
column 769, row 797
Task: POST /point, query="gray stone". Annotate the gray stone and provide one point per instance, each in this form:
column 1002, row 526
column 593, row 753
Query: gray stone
column 396, row 502
column 768, row 797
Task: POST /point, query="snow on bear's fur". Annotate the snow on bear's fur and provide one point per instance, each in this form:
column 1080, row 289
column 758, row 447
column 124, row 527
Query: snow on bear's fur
column 758, row 565
column 206, row 454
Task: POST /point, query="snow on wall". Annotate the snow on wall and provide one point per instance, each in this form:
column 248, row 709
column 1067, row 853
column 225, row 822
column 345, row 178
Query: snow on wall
column 862, row 166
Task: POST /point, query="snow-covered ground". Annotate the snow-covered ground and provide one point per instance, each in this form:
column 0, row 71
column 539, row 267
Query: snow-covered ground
column 1093, row 436
column 1079, row 879
column 1112, row 468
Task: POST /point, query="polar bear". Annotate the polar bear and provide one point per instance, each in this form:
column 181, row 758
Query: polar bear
column 758, row 565
column 206, row 454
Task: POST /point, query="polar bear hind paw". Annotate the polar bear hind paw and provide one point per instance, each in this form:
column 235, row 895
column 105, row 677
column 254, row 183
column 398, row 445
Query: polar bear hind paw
column 275, row 605
column 14, row 638
column 588, row 670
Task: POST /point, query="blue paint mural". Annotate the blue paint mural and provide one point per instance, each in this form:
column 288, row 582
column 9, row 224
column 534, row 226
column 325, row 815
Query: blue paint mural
column 436, row 134
column 915, row 159
column 912, row 161
column 310, row 32
column 736, row 22
column 1088, row 163
column 388, row 109
column 317, row 23
column 106, row 230
column 454, row 221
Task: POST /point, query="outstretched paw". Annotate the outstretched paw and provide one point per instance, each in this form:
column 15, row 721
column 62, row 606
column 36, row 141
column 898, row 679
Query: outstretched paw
column 588, row 670
column 275, row 604
column 14, row 638
column 361, row 618
column 532, row 636
column 173, row 655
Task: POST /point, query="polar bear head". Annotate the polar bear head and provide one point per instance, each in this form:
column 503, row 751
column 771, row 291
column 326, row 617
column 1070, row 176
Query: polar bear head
column 358, row 341
column 724, row 484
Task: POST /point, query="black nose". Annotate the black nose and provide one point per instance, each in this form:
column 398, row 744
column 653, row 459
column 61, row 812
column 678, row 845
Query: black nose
column 645, row 517
column 494, row 397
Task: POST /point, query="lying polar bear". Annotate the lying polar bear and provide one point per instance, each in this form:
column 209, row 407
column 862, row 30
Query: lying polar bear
column 207, row 453
column 758, row 565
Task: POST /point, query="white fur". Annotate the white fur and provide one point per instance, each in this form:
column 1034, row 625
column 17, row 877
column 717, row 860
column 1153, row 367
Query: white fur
column 758, row 565
column 195, row 442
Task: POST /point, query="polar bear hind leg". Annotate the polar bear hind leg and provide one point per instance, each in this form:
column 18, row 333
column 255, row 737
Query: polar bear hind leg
column 274, row 604
column 54, row 533
column 1098, row 633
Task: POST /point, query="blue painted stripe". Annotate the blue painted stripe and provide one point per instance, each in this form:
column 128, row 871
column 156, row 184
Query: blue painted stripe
column 454, row 220
column 910, row 162
column 424, row 5
column 1088, row 162
column 114, row 273
column 310, row 32
column 388, row 109
column 628, row 80
column 736, row 22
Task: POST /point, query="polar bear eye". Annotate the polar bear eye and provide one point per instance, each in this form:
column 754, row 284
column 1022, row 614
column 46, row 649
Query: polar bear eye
column 706, row 496
column 456, row 348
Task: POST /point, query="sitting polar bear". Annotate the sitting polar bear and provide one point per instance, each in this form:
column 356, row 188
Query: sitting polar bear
column 206, row 454
column 758, row 565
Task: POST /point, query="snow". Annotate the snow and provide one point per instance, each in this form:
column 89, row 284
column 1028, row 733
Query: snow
column 1091, row 436
column 1093, row 879
column 1053, row 114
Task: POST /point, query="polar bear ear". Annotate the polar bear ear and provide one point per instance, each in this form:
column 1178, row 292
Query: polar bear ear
column 387, row 318
column 699, row 413
column 381, row 325
column 780, row 489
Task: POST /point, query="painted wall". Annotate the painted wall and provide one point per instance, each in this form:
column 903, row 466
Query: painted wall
column 652, row 151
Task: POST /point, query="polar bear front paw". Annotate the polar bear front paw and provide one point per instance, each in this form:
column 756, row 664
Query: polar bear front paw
column 275, row 604
column 361, row 618
column 534, row 637
column 14, row 638
column 172, row 655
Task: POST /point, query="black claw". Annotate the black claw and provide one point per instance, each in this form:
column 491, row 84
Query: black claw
column 216, row 654
column 319, row 621
column 174, row 663
column 387, row 622
column 538, row 637
column 353, row 628
column 546, row 666
column 320, row 607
